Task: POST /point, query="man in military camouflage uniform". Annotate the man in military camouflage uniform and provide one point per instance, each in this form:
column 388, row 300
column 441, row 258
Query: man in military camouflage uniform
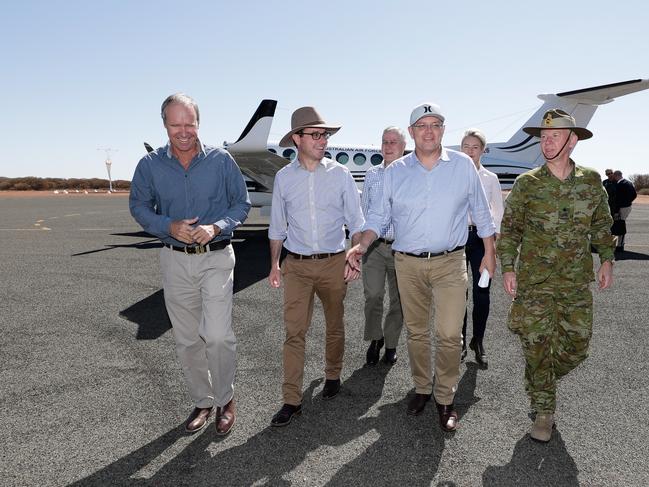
column 552, row 216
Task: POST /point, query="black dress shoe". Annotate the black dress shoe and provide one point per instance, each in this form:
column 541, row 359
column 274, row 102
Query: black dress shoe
column 390, row 356
column 331, row 389
column 284, row 415
column 480, row 354
column 447, row 416
column 417, row 404
column 374, row 351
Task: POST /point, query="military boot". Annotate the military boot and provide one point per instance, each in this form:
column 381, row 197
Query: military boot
column 542, row 428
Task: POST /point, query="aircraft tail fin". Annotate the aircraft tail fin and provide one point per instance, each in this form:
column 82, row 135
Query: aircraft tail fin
column 255, row 136
column 524, row 149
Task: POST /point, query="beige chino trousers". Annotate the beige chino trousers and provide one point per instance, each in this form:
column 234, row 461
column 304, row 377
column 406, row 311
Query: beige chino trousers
column 198, row 297
column 441, row 279
column 378, row 266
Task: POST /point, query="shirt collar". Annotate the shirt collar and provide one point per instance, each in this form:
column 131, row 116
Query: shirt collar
column 443, row 156
column 201, row 149
column 575, row 171
column 324, row 162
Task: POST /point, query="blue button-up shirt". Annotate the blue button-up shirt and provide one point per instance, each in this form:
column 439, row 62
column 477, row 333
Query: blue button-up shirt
column 311, row 208
column 429, row 209
column 372, row 191
column 212, row 189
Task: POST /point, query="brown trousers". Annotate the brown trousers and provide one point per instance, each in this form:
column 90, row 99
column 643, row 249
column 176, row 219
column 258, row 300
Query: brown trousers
column 302, row 280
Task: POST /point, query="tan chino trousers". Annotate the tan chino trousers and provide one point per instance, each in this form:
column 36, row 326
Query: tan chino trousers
column 441, row 279
column 303, row 279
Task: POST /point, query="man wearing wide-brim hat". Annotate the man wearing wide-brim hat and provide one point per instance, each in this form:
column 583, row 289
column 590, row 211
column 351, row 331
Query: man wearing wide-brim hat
column 314, row 198
column 552, row 216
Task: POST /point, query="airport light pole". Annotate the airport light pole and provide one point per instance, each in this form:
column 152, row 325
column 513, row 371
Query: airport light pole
column 109, row 164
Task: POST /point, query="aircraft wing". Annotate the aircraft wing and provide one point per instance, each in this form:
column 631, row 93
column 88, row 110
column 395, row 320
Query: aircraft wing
column 250, row 150
column 260, row 166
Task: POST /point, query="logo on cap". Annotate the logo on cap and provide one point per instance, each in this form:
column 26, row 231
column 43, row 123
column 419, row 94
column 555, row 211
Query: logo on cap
column 548, row 120
column 427, row 109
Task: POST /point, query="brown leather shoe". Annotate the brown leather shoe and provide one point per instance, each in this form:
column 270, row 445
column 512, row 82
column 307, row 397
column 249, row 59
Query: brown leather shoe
column 417, row 404
column 225, row 418
column 447, row 416
column 197, row 419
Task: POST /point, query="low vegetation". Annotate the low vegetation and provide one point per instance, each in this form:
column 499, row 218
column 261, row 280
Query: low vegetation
column 31, row 183
column 640, row 182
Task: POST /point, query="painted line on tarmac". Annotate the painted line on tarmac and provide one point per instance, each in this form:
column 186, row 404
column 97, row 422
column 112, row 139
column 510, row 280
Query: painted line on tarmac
column 24, row 229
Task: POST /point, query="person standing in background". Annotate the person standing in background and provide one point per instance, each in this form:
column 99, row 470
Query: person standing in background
column 378, row 262
column 473, row 145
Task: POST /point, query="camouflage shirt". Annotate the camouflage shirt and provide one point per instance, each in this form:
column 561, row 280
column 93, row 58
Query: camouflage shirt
column 550, row 224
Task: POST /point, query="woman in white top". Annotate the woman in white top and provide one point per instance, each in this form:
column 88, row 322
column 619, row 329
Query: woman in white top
column 473, row 145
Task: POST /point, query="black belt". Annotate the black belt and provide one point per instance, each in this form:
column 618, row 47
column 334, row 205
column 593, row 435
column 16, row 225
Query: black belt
column 313, row 256
column 473, row 228
column 429, row 255
column 385, row 241
column 201, row 249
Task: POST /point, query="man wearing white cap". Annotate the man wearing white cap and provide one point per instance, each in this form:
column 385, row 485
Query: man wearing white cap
column 427, row 196
column 314, row 198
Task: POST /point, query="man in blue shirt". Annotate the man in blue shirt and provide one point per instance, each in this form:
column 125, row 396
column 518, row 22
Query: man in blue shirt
column 314, row 198
column 427, row 196
column 192, row 197
column 378, row 262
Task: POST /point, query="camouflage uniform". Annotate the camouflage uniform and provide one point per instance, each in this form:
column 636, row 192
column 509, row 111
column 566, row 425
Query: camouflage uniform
column 549, row 226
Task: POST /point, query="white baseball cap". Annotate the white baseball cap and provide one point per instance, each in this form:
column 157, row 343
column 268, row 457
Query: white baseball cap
column 426, row 110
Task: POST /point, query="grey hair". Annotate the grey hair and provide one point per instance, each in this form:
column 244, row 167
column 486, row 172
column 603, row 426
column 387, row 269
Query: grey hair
column 617, row 173
column 396, row 130
column 183, row 99
column 478, row 134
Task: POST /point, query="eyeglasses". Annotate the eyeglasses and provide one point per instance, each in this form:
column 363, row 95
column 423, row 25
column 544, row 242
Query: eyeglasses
column 316, row 135
column 428, row 126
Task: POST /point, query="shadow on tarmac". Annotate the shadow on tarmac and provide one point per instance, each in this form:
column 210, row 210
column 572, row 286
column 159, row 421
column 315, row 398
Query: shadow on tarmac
column 414, row 445
column 535, row 463
column 252, row 265
column 628, row 255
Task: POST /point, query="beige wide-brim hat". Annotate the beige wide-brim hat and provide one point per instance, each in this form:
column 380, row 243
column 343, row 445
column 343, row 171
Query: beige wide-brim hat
column 558, row 119
column 306, row 117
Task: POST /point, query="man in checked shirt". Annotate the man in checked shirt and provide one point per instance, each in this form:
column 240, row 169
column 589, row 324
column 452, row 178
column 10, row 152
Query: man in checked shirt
column 378, row 262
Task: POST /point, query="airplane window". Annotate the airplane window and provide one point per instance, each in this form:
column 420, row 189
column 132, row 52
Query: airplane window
column 359, row 159
column 272, row 150
column 342, row 157
column 376, row 159
column 328, row 154
column 289, row 154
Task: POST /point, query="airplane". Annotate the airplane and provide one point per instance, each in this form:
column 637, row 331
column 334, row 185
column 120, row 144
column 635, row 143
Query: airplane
column 260, row 160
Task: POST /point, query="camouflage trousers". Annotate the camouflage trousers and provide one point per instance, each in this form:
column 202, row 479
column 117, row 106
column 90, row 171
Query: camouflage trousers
column 554, row 323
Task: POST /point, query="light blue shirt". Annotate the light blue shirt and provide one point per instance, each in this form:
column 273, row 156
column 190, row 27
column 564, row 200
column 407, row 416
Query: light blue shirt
column 212, row 189
column 310, row 209
column 429, row 209
column 372, row 191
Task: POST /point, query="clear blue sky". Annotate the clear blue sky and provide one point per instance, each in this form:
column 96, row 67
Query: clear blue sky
column 78, row 75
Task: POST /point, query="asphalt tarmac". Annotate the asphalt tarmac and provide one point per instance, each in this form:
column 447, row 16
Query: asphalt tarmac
column 91, row 392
